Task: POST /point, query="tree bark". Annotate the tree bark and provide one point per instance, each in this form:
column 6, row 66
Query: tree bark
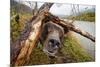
column 29, row 44
column 22, row 48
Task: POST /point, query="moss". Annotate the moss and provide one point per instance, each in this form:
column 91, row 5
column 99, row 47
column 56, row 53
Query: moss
column 38, row 57
column 73, row 49
column 17, row 27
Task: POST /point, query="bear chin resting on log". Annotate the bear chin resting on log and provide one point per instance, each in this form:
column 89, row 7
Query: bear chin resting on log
column 51, row 38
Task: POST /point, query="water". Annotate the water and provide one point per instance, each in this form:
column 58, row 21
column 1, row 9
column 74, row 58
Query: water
column 87, row 44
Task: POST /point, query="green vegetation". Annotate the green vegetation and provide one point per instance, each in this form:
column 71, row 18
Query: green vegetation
column 17, row 27
column 71, row 50
column 24, row 13
column 85, row 16
column 38, row 57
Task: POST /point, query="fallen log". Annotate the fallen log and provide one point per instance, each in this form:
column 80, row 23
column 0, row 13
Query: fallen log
column 20, row 52
column 69, row 26
column 29, row 44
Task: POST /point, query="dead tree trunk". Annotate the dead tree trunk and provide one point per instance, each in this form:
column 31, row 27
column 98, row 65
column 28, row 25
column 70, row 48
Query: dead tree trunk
column 21, row 50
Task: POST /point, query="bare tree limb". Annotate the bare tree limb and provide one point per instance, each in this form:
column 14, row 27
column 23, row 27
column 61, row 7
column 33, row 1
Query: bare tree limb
column 83, row 33
column 69, row 26
column 22, row 48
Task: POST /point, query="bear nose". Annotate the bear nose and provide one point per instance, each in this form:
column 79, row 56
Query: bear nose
column 54, row 43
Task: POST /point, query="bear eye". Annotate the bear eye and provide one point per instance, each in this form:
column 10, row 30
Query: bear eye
column 52, row 41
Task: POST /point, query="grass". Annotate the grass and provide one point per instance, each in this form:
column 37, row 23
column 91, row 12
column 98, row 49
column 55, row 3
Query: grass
column 17, row 27
column 85, row 16
column 71, row 50
column 38, row 57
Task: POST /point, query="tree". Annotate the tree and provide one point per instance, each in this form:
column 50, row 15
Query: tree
column 35, row 5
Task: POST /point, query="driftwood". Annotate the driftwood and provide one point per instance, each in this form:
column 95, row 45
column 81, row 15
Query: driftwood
column 22, row 48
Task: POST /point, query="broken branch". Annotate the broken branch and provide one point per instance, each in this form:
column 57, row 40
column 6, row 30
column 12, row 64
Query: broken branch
column 69, row 26
column 22, row 55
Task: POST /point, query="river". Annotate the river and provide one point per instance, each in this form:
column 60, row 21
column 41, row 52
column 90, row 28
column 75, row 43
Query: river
column 87, row 44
